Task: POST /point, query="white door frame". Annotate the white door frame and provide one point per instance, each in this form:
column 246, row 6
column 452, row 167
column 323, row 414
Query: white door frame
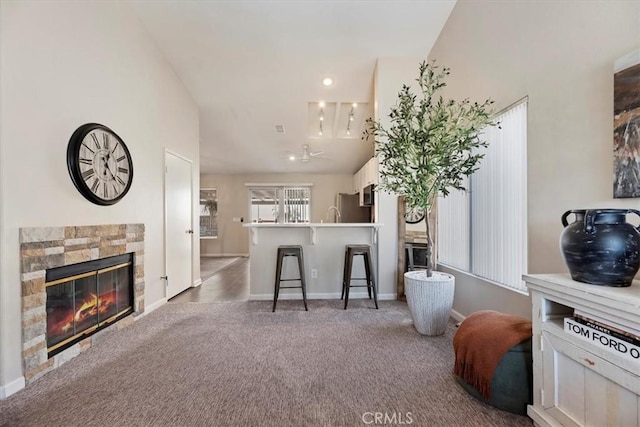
column 173, row 153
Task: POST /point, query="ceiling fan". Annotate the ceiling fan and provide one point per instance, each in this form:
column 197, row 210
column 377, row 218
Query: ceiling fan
column 306, row 155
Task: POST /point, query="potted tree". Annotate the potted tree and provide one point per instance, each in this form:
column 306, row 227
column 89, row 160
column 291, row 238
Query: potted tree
column 431, row 145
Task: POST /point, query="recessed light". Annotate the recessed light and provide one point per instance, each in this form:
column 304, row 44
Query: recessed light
column 292, row 158
column 327, row 81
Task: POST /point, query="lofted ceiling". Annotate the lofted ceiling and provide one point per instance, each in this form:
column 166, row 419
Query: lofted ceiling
column 255, row 69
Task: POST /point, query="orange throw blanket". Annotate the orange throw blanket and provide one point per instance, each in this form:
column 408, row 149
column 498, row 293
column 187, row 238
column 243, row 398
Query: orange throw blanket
column 481, row 341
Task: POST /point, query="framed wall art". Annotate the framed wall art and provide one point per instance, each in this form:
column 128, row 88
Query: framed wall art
column 626, row 126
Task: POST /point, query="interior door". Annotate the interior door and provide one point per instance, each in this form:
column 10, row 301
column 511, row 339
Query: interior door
column 178, row 224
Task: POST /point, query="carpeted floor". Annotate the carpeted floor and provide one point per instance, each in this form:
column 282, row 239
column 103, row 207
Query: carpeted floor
column 212, row 265
column 238, row 364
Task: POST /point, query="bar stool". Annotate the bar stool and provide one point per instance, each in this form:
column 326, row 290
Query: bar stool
column 287, row 251
column 350, row 252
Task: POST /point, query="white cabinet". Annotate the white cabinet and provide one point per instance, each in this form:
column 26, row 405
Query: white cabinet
column 576, row 382
column 357, row 182
column 367, row 175
column 370, row 172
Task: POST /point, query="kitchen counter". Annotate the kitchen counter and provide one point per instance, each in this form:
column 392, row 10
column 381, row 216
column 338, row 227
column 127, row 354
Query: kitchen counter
column 323, row 247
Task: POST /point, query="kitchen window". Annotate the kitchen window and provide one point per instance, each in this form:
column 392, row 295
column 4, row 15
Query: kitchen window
column 280, row 204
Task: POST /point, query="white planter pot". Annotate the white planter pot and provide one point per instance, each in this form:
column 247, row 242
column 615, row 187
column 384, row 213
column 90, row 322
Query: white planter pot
column 430, row 300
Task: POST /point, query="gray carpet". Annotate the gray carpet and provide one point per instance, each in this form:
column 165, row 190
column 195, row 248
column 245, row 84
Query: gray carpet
column 238, row 364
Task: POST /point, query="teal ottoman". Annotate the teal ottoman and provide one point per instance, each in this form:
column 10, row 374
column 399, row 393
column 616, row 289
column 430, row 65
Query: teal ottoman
column 493, row 359
column 512, row 382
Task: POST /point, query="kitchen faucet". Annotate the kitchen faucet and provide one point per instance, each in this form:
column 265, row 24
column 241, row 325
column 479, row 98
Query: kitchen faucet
column 337, row 213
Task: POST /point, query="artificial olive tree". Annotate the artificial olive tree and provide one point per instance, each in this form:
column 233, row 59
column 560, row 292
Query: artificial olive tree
column 431, row 144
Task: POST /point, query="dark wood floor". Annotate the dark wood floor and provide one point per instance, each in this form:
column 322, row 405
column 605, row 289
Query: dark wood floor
column 229, row 284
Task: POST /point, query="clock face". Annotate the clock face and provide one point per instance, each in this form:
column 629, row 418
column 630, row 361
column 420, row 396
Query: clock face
column 99, row 164
column 414, row 215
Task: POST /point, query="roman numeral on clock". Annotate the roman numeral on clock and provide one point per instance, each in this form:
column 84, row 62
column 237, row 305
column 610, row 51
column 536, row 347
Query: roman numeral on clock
column 95, row 140
column 105, row 140
column 94, row 187
column 87, row 147
column 86, row 161
column 105, row 189
column 123, row 170
column 88, row 174
column 120, row 181
column 121, row 158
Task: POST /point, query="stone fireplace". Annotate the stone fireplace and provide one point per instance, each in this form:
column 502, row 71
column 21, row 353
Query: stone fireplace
column 86, row 263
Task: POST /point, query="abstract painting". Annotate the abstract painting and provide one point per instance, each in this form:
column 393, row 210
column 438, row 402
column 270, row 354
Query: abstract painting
column 626, row 127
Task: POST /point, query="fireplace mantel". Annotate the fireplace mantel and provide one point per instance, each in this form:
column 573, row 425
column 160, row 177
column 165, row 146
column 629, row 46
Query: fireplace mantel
column 43, row 248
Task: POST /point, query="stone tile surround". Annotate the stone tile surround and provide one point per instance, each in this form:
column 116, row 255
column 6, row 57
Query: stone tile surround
column 42, row 248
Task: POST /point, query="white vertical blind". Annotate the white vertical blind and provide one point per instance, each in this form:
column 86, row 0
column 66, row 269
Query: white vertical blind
column 498, row 202
column 484, row 231
column 453, row 229
column 296, row 204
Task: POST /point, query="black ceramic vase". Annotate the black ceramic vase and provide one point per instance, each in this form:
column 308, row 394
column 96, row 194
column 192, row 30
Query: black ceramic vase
column 600, row 247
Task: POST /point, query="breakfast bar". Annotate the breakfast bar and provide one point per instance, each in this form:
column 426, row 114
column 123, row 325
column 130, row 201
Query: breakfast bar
column 323, row 246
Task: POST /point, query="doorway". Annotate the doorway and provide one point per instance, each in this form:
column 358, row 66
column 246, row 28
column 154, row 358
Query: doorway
column 178, row 223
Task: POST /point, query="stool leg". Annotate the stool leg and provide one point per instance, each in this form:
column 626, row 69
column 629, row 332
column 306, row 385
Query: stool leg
column 371, row 281
column 349, row 263
column 344, row 275
column 365, row 261
column 302, row 280
column 276, row 288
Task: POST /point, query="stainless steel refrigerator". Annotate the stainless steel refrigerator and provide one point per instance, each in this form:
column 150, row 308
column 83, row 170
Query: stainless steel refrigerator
column 350, row 209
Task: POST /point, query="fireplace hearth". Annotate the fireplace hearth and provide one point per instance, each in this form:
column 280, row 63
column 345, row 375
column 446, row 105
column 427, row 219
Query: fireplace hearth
column 86, row 297
column 73, row 285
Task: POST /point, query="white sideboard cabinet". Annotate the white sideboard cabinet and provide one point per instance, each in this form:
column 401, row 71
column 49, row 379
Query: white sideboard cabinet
column 577, row 382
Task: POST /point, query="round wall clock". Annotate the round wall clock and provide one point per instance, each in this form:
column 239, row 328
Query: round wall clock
column 414, row 215
column 99, row 163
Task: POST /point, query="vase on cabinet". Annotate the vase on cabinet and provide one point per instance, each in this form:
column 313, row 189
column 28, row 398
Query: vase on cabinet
column 600, row 247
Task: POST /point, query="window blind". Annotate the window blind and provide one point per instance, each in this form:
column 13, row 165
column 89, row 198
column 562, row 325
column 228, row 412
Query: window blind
column 485, row 230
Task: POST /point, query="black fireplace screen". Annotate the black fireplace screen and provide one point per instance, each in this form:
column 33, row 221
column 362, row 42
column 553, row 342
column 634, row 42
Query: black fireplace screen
column 83, row 298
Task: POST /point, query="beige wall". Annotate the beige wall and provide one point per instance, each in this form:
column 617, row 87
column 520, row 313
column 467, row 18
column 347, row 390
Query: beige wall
column 233, row 201
column 561, row 55
column 63, row 64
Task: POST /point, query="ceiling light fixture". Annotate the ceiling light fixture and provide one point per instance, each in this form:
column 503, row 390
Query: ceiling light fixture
column 351, row 113
column 327, row 81
column 292, row 157
column 321, row 119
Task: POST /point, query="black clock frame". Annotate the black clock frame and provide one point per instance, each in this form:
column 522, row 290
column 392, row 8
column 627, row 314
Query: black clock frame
column 409, row 210
column 73, row 163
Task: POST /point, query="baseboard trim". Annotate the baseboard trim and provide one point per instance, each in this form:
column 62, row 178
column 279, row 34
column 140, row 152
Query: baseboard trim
column 152, row 307
column 197, row 283
column 223, row 255
column 298, row 296
column 12, row 388
column 457, row 316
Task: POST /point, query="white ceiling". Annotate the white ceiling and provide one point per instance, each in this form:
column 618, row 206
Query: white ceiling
column 252, row 65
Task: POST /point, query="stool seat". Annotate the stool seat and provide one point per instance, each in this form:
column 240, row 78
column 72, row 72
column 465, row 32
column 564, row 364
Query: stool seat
column 349, row 253
column 288, row 251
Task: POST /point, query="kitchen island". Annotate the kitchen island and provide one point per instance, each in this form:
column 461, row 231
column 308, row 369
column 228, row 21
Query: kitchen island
column 323, row 246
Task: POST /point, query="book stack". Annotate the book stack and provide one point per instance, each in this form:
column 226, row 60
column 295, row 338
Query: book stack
column 619, row 339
